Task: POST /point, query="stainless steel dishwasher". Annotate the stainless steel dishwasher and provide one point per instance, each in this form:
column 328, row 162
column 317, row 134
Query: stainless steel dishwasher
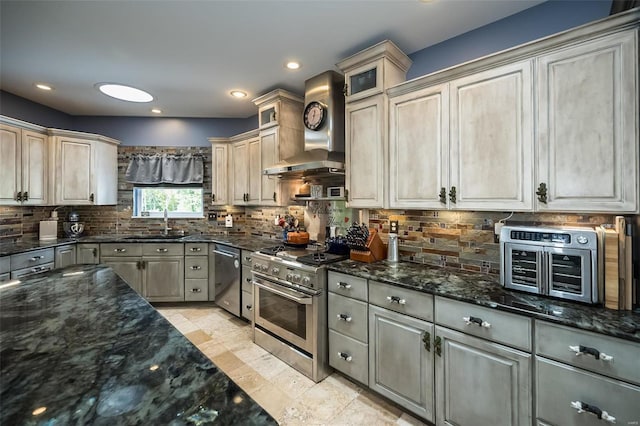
column 224, row 276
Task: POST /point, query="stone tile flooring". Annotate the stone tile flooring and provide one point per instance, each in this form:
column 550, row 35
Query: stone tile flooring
column 290, row 397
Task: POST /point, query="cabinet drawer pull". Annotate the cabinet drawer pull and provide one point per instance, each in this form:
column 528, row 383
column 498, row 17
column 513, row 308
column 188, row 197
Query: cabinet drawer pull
column 162, row 250
column 195, row 249
column 344, row 317
column 38, row 268
column 196, row 290
column 580, row 350
column 195, row 268
column 396, row 299
column 478, row 321
column 120, row 250
column 345, row 356
column 583, row 407
column 340, row 284
column 36, row 258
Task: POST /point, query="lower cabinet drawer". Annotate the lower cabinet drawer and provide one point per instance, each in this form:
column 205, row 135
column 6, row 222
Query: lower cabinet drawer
column 161, row 249
column 196, row 267
column 5, row 277
column 26, row 272
column 247, row 305
column 31, row 258
column 196, row 249
column 403, row 300
column 348, row 316
column 560, row 387
column 5, row 265
column 120, row 249
column 195, row 290
column 349, row 356
column 347, row 285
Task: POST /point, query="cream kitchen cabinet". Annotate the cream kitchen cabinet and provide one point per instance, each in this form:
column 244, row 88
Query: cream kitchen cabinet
column 86, row 169
column 87, row 253
column 367, row 75
column 24, row 168
column 219, row 172
column 466, row 144
column 587, row 157
column 245, row 170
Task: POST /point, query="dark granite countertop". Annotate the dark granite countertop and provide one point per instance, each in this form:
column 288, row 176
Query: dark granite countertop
column 485, row 290
column 80, row 342
column 251, row 242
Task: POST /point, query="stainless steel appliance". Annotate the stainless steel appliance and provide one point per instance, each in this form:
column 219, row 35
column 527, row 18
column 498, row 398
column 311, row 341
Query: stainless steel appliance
column 556, row 262
column 224, row 275
column 290, row 307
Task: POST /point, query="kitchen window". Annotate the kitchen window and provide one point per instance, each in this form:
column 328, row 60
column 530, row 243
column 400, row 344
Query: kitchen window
column 180, row 201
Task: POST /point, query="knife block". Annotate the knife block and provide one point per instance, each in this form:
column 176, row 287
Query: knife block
column 377, row 250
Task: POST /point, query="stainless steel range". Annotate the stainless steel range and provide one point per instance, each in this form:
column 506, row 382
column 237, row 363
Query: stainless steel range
column 290, row 307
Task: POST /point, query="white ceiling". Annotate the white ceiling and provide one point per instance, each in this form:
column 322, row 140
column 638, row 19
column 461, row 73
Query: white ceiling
column 190, row 54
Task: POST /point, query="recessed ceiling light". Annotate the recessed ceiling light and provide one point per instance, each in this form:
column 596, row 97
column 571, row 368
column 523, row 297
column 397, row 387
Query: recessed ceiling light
column 124, row 93
column 43, row 86
column 156, row 111
column 238, row 94
column 293, row 65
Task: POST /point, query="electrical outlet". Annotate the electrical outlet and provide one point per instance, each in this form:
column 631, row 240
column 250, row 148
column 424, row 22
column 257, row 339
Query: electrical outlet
column 393, row 226
column 213, row 216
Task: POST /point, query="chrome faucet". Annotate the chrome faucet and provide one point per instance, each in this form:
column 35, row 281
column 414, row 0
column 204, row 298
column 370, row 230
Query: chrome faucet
column 166, row 223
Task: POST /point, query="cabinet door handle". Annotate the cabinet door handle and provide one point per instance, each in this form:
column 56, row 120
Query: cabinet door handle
column 196, row 268
column 346, row 286
column 95, row 252
column 213, row 197
column 580, row 350
column 138, row 265
column 426, row 339
column 91, row 197
column 345, row 356
column 249, row 307
column 443, row 195
column 475, row 320
column 345, row 90
column 143, row 264
column 452, row 194
column 162, row 250
column 195, row 249
column 583, row 407
column 120, row 250
column 542, row 192
column 437, row 344
column 396, row 299
column 274, row 197
column 196, row 290
column 36, row 258
column 248, row 258
column 344, row 317
column 25, row 196
column 248, row 280
column 19, row 196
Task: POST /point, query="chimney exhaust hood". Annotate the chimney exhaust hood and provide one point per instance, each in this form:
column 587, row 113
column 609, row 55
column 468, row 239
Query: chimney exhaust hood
column 323, row 118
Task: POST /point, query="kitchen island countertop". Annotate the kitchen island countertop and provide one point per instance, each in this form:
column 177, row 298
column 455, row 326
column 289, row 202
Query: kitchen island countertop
column 79, row 346
column 485, row 290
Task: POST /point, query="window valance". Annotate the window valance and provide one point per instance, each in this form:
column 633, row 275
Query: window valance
column 165, row 169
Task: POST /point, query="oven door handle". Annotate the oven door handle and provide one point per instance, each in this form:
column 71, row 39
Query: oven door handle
column 287, row 294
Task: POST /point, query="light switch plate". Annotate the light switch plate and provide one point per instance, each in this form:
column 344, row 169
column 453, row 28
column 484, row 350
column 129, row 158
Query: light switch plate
column 393, row 226
column 213, row 216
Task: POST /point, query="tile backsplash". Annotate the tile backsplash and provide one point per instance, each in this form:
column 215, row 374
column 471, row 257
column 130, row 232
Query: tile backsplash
column 458, row 239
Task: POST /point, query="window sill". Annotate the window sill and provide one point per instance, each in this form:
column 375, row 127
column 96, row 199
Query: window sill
column 161, row 217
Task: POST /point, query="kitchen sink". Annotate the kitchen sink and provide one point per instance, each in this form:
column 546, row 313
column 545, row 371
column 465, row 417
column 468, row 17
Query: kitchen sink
column 153, row 237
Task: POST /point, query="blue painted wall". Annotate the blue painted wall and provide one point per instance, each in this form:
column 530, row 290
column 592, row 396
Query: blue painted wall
column 540, row 21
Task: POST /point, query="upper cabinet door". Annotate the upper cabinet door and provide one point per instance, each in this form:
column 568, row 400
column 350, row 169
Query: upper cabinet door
column 74, row 171
column 365, row 124
column 418, row 148
column 588, row 126
column 10, row 165
column 268, row 155
column 35, row 168
column 255, row 172
column 219, row 181
column 492, row 139
column 239, row 172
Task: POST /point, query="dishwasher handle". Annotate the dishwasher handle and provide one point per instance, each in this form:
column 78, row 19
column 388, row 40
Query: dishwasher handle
column 224, row 253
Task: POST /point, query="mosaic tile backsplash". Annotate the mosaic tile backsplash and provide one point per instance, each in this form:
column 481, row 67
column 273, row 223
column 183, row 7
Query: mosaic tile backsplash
column 458, row 239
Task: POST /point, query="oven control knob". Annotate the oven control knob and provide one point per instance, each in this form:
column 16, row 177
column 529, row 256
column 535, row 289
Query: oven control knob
column 306, row 281
column 289, row 277
column 581, row 239
column 275, row 270
column 296, row 278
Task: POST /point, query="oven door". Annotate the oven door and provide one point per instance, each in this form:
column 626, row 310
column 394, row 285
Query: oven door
column 569, row 274
column 523, row 267
column 285, row 312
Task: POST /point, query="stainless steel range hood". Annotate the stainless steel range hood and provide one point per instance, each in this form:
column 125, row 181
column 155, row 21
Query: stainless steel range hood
column 323, row 153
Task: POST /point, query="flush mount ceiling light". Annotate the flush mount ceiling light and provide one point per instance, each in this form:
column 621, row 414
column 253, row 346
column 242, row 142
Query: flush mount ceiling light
column 156, row 111
column 293, row 65
column 238, row 94
column 124, row 93
column 43, row 86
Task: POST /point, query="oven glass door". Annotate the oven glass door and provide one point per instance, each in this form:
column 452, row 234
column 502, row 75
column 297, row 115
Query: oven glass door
column 284, row 312
column 569, row 273
column 523, row 267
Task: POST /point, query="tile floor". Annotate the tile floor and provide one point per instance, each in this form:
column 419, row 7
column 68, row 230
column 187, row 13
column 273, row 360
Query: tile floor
column 290, row 397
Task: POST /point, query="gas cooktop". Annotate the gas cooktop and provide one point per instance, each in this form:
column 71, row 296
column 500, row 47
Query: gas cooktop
column 311, row 255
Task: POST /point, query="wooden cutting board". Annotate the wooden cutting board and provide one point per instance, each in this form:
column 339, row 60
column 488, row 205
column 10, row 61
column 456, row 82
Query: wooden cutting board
column 611, row 270
column 622, row 269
